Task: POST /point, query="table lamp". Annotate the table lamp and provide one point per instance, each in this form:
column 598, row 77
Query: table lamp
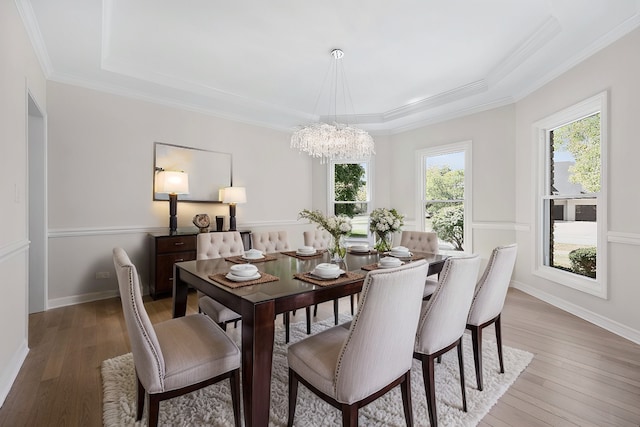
column 172, row 183
column 233, row 196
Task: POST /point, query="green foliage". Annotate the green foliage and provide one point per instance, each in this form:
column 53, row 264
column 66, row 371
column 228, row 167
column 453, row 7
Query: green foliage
column 448, row 223
column 349, row 185
column 583, row 261
column 443, row 183
column 582, row 139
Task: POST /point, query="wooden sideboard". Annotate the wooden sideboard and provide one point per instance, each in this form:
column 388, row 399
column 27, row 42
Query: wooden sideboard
column 165, row 249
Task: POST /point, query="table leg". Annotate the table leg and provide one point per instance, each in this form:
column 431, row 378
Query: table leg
column 257, row 355
column 180, row 291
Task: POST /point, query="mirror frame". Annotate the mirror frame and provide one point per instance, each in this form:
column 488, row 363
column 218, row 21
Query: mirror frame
column 208, row 170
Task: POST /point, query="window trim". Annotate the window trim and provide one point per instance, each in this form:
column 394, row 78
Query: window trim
column 540, row 130
column 331, row 195
column 466, row 147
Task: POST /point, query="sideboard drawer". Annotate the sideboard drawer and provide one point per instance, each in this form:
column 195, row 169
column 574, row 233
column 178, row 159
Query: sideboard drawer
column 175, row 244
column 164, row 269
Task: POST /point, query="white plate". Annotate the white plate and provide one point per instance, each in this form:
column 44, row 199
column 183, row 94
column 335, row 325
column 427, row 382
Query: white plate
column 334, row 275
column 243, row 270
column 235, row 278
column 252, row 258
column 400, row 254
column 360, row 250
column 381, row 265
column 306, row 253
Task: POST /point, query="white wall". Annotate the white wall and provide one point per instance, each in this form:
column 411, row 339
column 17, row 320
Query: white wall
column 100, row 182
column 616, row 70
column 19, row 72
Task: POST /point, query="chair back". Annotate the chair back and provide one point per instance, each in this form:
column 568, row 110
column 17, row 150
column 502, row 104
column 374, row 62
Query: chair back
column 491, row 290
column 147, row 356
column 270, row 241
column 219, row 245
column 319, row 239
column 444, row 316
column 420, row 241
column 379, row 348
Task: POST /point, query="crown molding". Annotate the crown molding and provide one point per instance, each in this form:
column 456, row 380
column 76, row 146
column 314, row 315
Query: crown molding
column 33, row 31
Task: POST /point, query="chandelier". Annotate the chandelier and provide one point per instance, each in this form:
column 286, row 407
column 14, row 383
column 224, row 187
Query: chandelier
column 337, row 140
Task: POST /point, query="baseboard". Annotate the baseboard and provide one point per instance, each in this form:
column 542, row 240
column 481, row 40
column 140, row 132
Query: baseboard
column 10, row 372
column 591, row 317
column 79, row 299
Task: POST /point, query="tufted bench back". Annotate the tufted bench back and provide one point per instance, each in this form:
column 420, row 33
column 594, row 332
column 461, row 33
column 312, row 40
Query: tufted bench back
column 420, row 241
column 270, row 241
column 219, row 245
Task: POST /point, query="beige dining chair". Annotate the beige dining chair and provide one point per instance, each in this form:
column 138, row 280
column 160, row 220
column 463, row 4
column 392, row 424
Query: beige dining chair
column 218, row 245
column 173, row 357
column 276, row 241
column 270, row 241
column 488, row 301
column 351, row 367
column 442, row 323
column 422, row 241
column 320, row 240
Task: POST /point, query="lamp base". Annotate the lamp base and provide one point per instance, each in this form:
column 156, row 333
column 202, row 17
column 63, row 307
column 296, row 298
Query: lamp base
column 232, row 217
column 173, row 209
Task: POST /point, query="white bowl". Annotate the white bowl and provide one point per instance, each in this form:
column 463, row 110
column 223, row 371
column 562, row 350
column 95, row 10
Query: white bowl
column 325, row 266
column 243, row 270
column 359, row 248
column 306, row 250
column 390, row 261
column 327, row 273
column 253, row 254
column 400, row 249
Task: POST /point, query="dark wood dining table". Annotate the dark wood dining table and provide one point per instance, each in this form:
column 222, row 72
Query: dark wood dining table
column 259, row 304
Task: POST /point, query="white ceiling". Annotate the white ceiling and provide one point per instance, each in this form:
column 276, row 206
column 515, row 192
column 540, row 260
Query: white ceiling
column 408, row 62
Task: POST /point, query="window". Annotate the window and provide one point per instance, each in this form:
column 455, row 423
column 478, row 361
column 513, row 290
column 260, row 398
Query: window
column 444, row 177
column 350, row 194
column 571, row 207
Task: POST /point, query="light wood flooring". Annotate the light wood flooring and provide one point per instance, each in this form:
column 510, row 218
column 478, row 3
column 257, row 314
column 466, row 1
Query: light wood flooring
column 581, row 375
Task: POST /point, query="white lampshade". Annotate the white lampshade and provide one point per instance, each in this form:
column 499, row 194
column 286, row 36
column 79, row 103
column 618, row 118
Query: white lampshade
column 172, row 182
column 234, row 195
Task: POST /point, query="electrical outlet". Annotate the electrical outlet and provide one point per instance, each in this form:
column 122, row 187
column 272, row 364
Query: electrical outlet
column 103, row 275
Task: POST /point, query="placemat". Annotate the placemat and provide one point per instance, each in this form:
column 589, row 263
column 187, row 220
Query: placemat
column 294, row 254
column 402, row 258
column 346, row 277
column 239, row 260
column 264, row 278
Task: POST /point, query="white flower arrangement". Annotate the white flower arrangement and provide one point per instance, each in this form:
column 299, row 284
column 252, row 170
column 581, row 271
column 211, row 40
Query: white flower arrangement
column 383, row 221
column 337, row 226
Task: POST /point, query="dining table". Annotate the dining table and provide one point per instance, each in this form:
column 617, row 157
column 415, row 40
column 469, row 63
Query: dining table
column 284, row 285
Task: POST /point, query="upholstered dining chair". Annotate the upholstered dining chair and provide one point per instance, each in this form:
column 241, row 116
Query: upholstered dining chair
column 276, row 241
column 218, row 245
column 320, row 240
column 488, row 301
column 422, row 241
column 177, row 356
column 270, row 241
column 442, row 323
column 351, row 367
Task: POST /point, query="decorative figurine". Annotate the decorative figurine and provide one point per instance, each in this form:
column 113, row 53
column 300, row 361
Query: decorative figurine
column 202, row 221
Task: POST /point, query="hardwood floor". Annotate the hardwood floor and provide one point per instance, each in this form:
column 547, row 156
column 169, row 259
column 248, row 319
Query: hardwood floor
column 581, row 375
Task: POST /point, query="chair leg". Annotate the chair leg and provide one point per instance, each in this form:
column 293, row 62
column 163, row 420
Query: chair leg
column 428, row 375
column 293, row 395
column 234, row 379
column 154, row 409
column 141, row 394
column 499, row 342
column 352, row 304
column 476, row 341
column 462, row 386
column 405, row 388
column 315, row 310
column 223, row 325
column 286, row 326
column 349, row 415
column 335, row 311
column 308, row 310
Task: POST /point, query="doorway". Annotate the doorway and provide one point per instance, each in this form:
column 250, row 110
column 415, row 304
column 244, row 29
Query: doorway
column 37, row 206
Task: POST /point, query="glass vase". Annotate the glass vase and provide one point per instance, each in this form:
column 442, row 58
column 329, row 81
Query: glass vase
column 337, row 249
column 384, row 242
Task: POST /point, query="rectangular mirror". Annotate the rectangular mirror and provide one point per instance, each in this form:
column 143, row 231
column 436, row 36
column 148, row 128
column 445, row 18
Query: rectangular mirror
column 209, row 171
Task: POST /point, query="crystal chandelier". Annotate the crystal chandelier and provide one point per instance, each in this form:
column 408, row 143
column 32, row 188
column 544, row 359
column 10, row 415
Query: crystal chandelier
column 337, row 140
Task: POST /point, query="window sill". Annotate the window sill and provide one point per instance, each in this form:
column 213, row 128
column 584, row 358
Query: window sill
column 572, row 280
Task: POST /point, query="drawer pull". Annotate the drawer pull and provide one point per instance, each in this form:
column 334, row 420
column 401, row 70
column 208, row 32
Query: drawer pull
column 171, row 279
column 178, row 243
column 179, row 260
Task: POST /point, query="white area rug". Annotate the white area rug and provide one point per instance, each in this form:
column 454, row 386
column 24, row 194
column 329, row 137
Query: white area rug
column 212, row 406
